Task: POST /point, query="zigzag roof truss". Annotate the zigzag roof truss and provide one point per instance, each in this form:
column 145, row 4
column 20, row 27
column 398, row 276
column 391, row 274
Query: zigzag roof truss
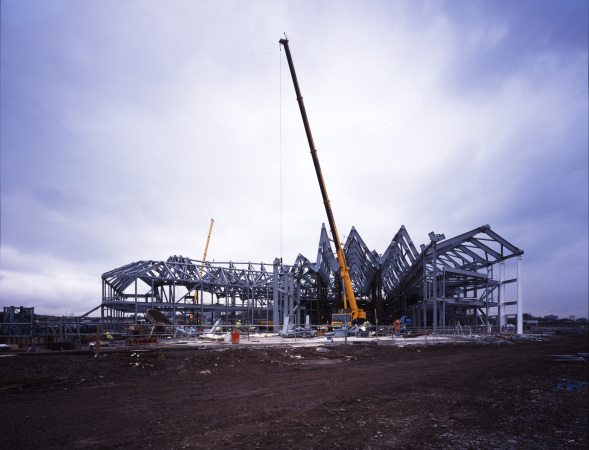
column 402, row 266
column 363, row 265
column 325, row 264
column 397, row 260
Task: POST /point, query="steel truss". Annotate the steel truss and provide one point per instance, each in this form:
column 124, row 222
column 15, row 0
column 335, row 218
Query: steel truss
column 461, row 286
column 454, row 281
column 18, row 321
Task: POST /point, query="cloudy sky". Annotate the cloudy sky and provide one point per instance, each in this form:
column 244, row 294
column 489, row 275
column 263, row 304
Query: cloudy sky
column 127, row 125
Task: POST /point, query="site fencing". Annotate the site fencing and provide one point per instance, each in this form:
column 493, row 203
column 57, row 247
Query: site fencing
column 71, row 333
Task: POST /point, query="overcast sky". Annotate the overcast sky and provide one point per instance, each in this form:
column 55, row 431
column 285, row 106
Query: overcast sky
column 127, row 125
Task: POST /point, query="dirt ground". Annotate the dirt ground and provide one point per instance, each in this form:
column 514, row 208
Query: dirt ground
column 335, row 396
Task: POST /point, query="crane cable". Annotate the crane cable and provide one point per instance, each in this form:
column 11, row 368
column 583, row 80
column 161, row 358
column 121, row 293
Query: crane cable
column 280, row 115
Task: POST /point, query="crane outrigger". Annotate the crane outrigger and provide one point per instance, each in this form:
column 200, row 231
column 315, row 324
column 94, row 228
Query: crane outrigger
column 353, row 313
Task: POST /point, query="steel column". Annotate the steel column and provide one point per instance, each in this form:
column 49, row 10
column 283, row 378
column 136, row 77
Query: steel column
column 520, row 298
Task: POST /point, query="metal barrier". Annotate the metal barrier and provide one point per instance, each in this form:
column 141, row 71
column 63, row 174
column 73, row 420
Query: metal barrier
column 66, row 334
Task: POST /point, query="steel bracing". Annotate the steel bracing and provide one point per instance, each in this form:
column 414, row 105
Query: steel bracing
column 456, row 277
column 449, row 280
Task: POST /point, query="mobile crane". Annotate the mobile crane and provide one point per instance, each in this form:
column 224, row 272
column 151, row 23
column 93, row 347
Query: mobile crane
column 353, row 314
column 204, row 257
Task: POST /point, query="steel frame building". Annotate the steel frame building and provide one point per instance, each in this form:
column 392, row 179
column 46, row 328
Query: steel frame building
column 449, row 281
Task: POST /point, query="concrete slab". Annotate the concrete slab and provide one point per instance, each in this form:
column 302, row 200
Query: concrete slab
column 271, row 339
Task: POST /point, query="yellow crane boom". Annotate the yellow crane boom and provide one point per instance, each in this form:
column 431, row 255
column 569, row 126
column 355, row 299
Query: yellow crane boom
column 354, row 312
column 204, row 257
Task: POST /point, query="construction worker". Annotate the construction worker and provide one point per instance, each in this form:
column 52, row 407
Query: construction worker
column 397, row 327
column 364, row 329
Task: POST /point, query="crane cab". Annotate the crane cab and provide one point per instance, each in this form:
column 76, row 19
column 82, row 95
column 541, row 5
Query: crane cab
column 346, row 316
column 340, row 318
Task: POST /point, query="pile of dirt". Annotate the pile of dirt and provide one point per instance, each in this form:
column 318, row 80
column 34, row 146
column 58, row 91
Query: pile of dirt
column 349, row 396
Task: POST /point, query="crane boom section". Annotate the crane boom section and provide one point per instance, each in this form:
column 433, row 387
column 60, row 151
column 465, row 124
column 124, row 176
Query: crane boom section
column 204, row 257
column 340, row 252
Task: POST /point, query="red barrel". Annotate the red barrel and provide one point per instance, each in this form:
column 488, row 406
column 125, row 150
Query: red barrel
column 235, row 337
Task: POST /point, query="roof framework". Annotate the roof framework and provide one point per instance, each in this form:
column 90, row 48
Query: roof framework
column 401, row 278
column 471, row 252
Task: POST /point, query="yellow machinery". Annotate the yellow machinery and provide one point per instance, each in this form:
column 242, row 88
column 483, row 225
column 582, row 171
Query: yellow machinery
column 204, row 257
column 353, row 313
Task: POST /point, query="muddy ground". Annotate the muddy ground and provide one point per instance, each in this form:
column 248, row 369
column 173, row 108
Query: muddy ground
column 344, row 396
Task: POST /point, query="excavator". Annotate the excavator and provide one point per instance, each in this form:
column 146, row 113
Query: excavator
column 352, row 314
